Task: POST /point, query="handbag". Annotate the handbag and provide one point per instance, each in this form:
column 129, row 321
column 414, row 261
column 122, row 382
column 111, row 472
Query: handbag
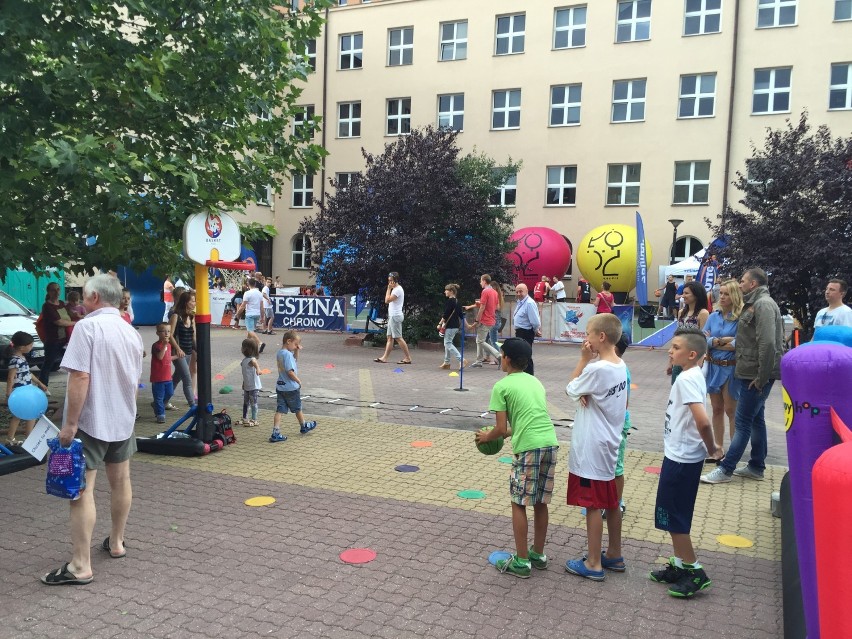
column 443, row 328
column 66, row 470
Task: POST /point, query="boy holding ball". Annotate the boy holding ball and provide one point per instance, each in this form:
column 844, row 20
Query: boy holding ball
column 519, row 399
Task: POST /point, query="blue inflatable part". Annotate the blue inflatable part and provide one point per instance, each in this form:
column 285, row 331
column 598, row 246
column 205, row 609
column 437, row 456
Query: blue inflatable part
column 840, row 334
column 27, row 402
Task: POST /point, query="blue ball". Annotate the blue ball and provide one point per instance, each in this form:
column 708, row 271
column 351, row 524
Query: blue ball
column 27, row 402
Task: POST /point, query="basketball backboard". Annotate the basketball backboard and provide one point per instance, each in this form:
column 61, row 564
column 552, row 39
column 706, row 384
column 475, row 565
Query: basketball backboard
column 211, row 236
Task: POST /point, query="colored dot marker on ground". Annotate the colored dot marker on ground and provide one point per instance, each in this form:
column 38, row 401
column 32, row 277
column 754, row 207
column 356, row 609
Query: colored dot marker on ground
column 260, row 501
column 405, row 468
column 471, row 494
column 398, row 370
column 357, row 556
column 141, row 385
column 498, row 555
column 225, row 390
column 454, row 374
column 505, row 459
column 735, row 541
column 220, row 376
column 265, row 371
column 329, row 365
column 654, row 470
column 421, row 444
column 634, row 386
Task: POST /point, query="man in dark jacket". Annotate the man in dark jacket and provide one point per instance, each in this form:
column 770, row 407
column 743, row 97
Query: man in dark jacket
column 759, row 346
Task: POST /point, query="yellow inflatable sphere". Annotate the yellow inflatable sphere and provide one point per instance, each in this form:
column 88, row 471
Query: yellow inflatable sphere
column 608, row 254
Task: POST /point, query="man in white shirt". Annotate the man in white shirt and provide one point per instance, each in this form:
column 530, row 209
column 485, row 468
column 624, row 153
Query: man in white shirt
column 837, row 313
column 253, row 307
column 394, row 298
column 558, row 290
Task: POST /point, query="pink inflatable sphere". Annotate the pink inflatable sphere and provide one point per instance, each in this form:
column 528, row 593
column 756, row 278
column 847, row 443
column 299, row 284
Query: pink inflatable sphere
column 540, row 252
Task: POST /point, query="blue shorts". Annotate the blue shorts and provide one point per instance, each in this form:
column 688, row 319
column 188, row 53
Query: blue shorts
column 251, row 322
column 289, row 402
column 676, row 493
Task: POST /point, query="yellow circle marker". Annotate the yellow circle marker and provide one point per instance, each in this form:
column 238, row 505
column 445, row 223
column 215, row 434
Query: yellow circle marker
column 788, row 408
column 735, row 541
column 260, row 501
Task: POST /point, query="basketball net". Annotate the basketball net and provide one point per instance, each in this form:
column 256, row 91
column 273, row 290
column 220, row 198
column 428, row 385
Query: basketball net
column 233, row 278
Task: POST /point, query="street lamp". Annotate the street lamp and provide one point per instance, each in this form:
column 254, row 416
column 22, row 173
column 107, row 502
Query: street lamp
column 675, row 224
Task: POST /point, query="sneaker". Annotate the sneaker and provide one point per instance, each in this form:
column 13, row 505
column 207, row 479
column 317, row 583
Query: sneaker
column 445, row 365
column 692, row 580
column 161, row 419
column 748, row 471
column 251, row 423
column 539, row 562
column 514, row 566
column 463, row 364
column 671, row 574
column 277, row 437
column 476, row 365
column 716, row 476
column 307, row 427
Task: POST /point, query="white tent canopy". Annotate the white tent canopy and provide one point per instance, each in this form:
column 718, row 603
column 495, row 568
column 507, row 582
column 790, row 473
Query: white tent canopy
column 689, row 266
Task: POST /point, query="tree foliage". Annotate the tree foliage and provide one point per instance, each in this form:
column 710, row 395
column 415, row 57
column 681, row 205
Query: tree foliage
column 797, row 222
column 419, row 209
column 118, row 119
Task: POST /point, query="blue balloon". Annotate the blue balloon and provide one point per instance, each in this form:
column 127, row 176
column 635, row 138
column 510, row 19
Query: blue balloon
column 27, row 402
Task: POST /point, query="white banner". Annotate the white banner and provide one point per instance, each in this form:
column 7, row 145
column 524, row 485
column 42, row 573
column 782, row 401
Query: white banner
column 218, row 300
column 569, row 321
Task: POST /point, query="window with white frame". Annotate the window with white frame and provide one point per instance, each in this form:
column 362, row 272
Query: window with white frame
column 300, row 250
column 685, row 247
column 692, row 182
column 303, row 191
column 399, row 116
column 351, row 51
column 302, row 122
column 633, row 22
column 349, row 120
column 628, row 100
column 506, row 109
column 565, row 104
column 451, row 111
column 702, row 16
column 776, row 13
column 507, row 193
column 341, row 3
column 840, row 91
column 771, row 90
column 311, row 53
column 569, row 27
column 400, row 46
column 454, row 40
column 561, row 186
column 757, row 170
column 697, row 96
column 343, row 180
column 264, row 196
column 622, row 183
column 842, row 10
column 510, row 34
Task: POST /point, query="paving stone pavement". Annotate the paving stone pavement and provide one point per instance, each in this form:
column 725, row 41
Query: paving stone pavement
column 203, row 564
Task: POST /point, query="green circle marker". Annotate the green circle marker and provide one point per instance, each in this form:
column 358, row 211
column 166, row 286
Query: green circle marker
column 471, row 494
column 505, row 459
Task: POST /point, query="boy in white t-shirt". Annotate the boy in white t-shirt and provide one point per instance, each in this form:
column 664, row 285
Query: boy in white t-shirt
column 600, row 387
column 687, row 442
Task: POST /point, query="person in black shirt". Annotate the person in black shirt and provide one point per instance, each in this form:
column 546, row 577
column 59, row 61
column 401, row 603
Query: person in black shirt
column 450, row 324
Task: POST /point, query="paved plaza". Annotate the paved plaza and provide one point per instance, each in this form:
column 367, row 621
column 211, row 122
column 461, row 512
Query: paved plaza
column 201, row 563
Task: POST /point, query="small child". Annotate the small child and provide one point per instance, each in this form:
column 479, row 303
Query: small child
column 519, row 399
column 251, row 382
column 162, row 386
column 19, row 375
column 124, row 306
column 287, row 388
column 601, row 390
column 687, row 440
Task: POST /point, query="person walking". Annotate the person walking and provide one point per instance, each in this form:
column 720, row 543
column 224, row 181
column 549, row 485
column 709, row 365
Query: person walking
column 526, row 321
column 104, row 363
column 395, row 299
column 450, row 324
column 168, row 297
column 182, row 338
column 837, row 313
column 486, row 318
column 759, row 346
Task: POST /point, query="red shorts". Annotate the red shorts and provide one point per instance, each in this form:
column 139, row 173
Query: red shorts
column 592, row 493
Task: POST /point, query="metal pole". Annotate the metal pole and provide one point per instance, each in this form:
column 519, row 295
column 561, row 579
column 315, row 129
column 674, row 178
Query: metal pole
column 461, row 387
column 203, row 428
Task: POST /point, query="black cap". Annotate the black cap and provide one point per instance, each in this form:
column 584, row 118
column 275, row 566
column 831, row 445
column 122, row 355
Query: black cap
column 515, row 348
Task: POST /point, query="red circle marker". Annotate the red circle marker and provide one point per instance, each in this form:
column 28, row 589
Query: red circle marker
column 421, row 444
column 220, row 376
column 654, row 470
column 357, row 556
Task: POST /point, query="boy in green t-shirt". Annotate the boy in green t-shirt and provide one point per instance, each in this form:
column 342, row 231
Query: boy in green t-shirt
column 519, row 399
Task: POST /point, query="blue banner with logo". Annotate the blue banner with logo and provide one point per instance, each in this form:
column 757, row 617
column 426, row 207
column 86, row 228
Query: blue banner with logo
column 307, row 312
column 625, row 316
column 641, row 263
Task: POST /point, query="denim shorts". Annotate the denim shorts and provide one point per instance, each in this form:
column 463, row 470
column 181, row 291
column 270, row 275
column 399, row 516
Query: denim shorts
column 251, row 322
column 676, row 493
column 288, row 402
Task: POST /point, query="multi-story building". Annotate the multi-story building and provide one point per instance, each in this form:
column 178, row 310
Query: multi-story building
column 612, row 105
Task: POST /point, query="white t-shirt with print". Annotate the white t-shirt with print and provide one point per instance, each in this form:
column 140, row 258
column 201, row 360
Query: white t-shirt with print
column 681, row 441
column 596, row 435
column 395, row 307
column 558, row 290
column 840, row 316
column 253, row 299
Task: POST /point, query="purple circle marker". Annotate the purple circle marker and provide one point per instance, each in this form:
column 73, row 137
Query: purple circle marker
column 405, row 468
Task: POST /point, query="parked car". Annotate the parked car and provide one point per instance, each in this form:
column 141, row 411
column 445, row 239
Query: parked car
column 15, row 317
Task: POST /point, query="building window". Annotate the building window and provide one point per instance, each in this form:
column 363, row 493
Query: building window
column 311, row 53
column 776, row 13
column 771, row 90
column 510, row 34
column 349, row 120
column 843, row 9
column 264, row 196
column 506, row 109
column 565, row 104
column 351, row 51
column 697, row 96
column 840, row 91
column 399, row 116
column 569, row 28
column 341, row 3
column 451, row 111
column 634, row 21
column 692, row 183
column 303, row 128
column 300, row 249
column 561, row 185
column 454, row 40
column 628, row 100
column 702, row 16
column 507, row 193
column 685, row 247
column 303, row 191
column 343, row 180
column 622, row 185
column 400, row 46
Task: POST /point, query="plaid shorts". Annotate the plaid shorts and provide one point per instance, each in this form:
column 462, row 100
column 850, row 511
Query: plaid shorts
column 531, row 480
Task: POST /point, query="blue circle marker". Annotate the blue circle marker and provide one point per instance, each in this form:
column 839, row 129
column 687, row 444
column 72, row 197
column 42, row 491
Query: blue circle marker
column 405, row 468
column 498, row 555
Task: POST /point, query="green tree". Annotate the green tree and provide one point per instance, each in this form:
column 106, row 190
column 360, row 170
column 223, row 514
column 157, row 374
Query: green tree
column 120, row 119
column 419, row 209
column 797, row 222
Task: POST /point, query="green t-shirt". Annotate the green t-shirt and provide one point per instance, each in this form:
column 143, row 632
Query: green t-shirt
column 523, row 398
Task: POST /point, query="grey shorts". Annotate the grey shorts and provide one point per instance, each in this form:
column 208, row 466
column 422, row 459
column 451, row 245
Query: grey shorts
column 99, row 453
column 288, row 402
column 268, row 312
column 395, row 326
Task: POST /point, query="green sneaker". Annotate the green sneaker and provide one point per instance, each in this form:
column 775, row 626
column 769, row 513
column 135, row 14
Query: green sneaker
column 514, row 566
column 693, row 580
column 539, row 562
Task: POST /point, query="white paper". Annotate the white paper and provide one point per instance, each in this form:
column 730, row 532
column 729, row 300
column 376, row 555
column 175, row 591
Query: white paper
column 36, row 443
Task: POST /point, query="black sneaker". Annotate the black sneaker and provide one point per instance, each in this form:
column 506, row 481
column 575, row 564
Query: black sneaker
column 693, row 580
column 671, row 574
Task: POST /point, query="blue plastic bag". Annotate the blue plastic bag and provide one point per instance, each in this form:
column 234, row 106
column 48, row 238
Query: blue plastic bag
column 66, row 470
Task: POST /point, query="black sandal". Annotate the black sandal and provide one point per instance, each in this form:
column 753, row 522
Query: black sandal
column 64, row 577
column 105, row 546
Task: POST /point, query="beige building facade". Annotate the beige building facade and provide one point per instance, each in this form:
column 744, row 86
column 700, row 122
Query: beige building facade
column 613, row 106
